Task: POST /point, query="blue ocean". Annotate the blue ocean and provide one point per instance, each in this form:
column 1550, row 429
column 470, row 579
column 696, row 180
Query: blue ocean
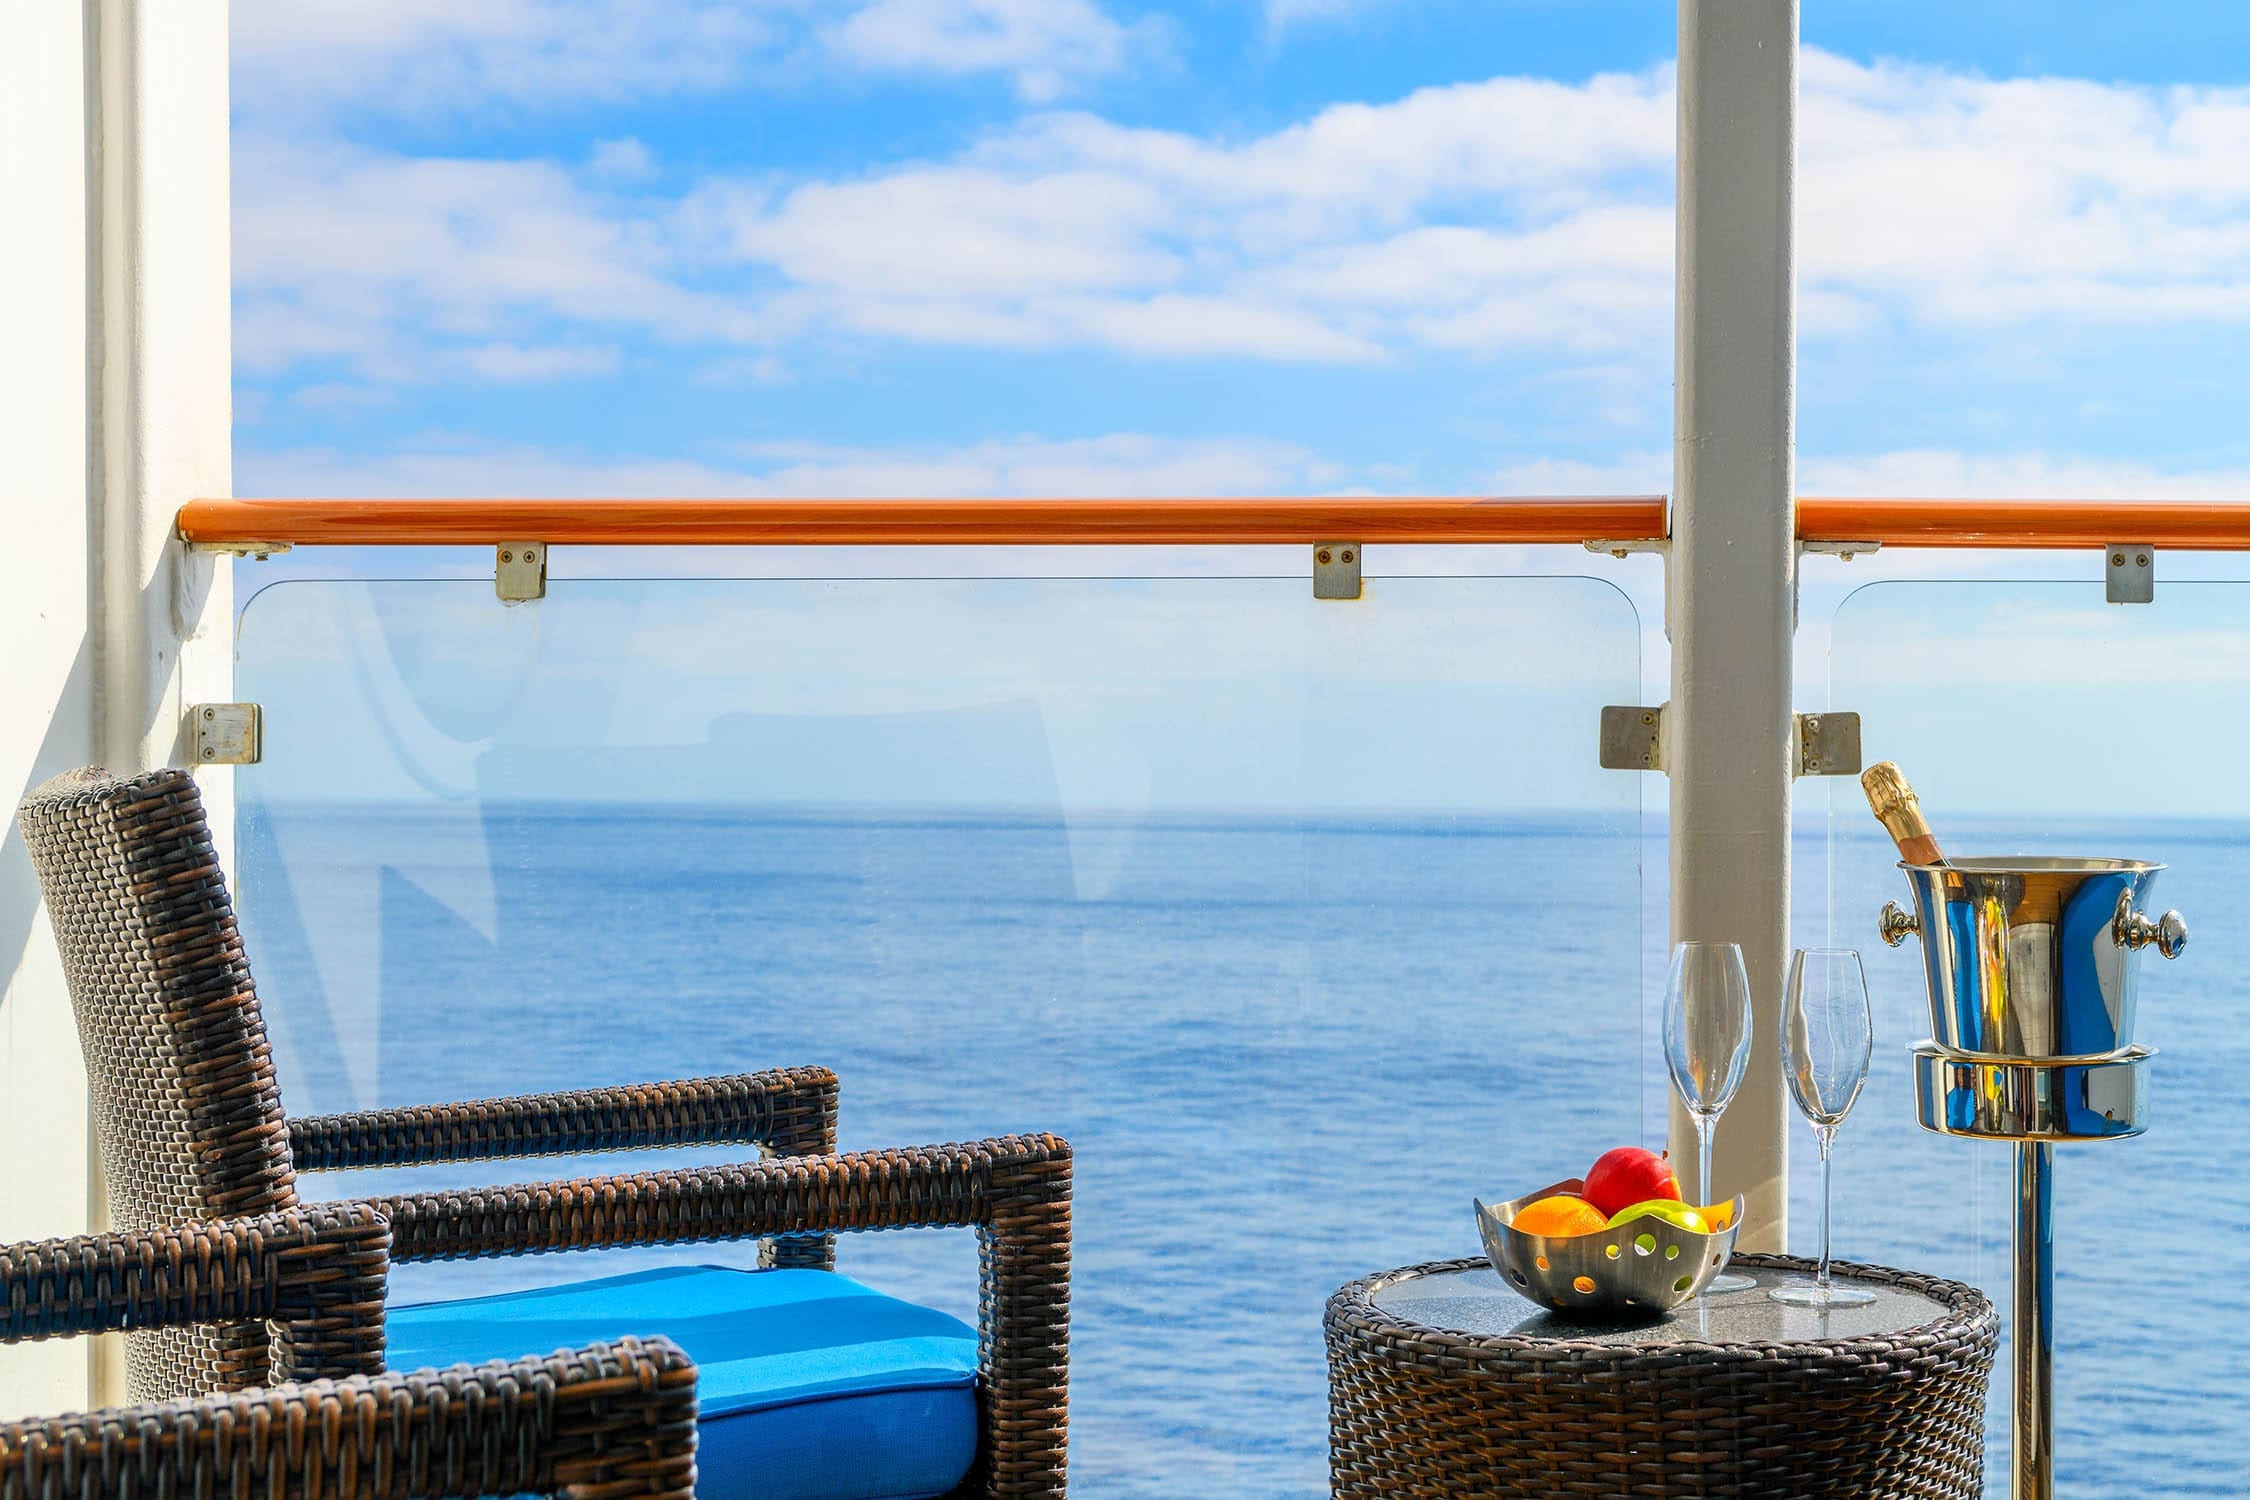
column 1286, row 1049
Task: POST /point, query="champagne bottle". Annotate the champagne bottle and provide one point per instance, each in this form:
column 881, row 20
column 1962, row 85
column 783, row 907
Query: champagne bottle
column 1899, row 811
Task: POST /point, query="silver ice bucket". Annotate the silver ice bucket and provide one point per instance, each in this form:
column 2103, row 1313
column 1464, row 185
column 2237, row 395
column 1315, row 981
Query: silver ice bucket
column 2033, row 958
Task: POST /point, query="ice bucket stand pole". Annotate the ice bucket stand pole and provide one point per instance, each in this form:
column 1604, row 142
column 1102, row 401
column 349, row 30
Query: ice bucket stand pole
column 2033, row 1472
column 2032, row 1103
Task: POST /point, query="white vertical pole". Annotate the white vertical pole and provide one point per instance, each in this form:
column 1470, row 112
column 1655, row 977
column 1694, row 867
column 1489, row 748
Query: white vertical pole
column 164, row 420
column 161, row 181
column 1731, row 599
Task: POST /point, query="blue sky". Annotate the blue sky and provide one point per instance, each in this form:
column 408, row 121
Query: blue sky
column 1014, row 245
column 1228, row 246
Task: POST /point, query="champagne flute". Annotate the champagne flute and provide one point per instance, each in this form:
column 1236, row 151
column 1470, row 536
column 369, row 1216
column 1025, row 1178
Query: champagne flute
column 1827, row 1036
column 1707, row 1048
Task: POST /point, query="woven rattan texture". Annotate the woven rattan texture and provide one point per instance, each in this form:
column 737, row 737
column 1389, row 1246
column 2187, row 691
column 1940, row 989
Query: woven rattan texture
column 1420, row 1412
column 182, row 1081
column 1014, row 1190
column 610, row 1420
column 314, row 1275
column 184, row 1092
column 792, row 1111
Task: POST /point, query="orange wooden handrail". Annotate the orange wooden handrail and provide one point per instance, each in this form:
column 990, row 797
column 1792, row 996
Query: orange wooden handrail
column 861, row 523
column 2049, row 524
column 2191, row 525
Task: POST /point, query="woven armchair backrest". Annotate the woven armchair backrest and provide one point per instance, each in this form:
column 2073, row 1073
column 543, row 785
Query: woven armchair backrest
column 176, row 1056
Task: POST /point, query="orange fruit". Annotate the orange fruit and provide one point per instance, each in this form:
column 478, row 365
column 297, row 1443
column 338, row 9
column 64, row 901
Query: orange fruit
column 1559, row 1216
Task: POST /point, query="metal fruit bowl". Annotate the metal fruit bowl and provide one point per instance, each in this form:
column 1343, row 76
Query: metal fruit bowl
column 1642, row 1267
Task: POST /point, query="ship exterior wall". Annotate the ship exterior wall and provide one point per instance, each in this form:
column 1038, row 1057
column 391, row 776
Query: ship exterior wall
column 114, row 409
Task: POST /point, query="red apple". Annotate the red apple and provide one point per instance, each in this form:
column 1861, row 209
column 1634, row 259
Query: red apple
column 1629, row 1175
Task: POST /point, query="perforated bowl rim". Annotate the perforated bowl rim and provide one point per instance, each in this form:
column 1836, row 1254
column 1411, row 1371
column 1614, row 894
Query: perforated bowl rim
column 1629, row 1281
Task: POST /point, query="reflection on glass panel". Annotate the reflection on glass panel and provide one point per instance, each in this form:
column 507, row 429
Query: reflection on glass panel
column 1303, row 921
column 2036, row 719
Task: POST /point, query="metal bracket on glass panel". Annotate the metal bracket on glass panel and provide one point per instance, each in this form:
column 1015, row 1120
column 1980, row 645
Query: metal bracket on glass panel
column 1661, row 546
column 1632, row 737
column 2129, row 572
column 1335, row 570
column 1827, row 745
column 259, row 550
column 1844, row 551
column 519, row 571
column 226, row 734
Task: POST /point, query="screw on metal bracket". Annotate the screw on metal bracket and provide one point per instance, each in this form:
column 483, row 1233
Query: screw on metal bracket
column 226, row 734
column 519, row 571
column 1632, row 737
column 1827, row 744
column 1335, row 570
column 2129, row 573
column 259, row 550
column 1627, row 546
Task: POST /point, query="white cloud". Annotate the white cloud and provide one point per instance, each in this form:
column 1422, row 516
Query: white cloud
column 1143, row 464
column 416, row 56
column 1638, row 473
column 1517, row 215
column 958, row 234
column 1117, row 464
column 1553, row 146
column 2022, row 475
column 516, row 362
column 1969, row 201
column 1046, row 45
column 1281, row 14
column 404, row 268
column 744, row 369
column 625, row 159
column 2015, row 476
column 1461, row 217
column 1522, row 212
column 293, row 60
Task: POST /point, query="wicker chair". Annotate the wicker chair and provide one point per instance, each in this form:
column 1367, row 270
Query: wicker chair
column 191, row 1128
column 615, row 1421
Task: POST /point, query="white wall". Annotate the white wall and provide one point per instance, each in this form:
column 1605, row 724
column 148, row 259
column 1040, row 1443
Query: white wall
column 113, row 409
column 46, row 687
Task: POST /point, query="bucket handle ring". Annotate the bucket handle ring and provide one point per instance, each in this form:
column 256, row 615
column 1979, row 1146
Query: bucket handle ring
column 2131, row 929
column 1897, row 923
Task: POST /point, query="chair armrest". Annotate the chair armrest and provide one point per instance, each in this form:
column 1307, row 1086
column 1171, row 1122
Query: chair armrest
column 316, row 1273
column 963, row 1185
column 791, row 1110
column 608, row 1420
column 1015, row 1190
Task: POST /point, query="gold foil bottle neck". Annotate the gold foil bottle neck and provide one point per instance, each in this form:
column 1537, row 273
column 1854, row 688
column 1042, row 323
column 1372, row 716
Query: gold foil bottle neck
column 1887, row 791
column 1897, row 808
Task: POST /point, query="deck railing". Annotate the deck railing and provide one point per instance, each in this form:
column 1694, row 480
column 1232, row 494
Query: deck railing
column 1924, row 522
column 1238, row 890
column 899, row 522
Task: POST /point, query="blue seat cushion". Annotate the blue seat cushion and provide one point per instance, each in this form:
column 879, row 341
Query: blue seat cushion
column 812, row 1386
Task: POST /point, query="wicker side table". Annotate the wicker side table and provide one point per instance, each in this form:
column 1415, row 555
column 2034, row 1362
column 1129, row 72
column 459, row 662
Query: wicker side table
column 1442, row 1382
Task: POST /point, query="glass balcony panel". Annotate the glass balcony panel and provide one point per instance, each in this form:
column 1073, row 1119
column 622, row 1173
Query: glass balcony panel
column 1303, row 921
column 2035, row 718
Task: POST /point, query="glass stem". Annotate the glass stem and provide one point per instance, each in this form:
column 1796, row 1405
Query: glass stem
column 1826, row 1135
column 1703, row 1125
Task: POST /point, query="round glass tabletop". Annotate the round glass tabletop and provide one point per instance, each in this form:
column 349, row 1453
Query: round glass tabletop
column 1476, row 1301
